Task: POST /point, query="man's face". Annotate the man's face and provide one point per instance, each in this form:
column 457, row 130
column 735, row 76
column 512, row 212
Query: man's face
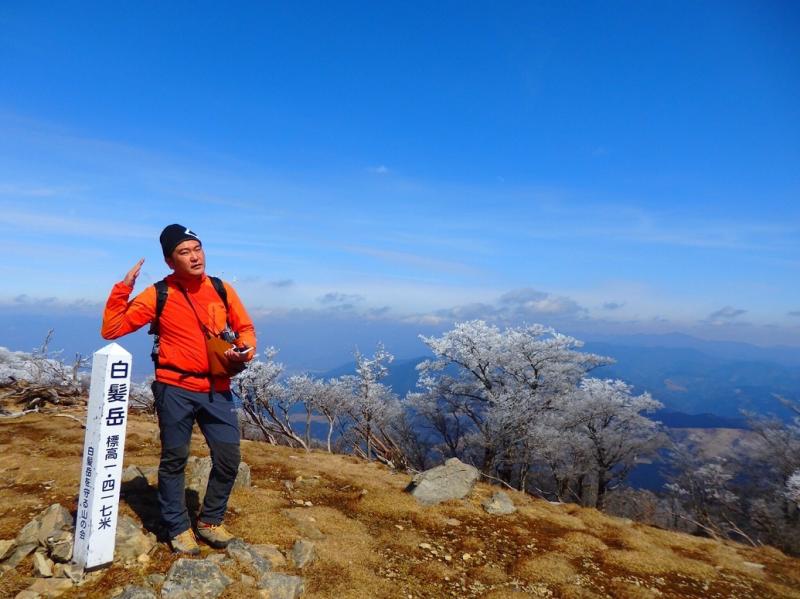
column 188, row 259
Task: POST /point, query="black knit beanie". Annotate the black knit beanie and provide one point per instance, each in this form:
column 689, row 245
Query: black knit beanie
column 172, row 235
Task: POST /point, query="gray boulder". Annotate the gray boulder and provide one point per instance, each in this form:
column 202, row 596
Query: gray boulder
column 194, row 579
column 452, row 480
column 499, row 504
column 281, row 586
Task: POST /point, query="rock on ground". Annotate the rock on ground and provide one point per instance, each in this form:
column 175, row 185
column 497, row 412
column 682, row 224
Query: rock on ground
column 499, row 504
column 303, row 553
column 134, row 592
column 48, row 523
column 7, row 548
column 304, row 524
column 50, row 587
column 452, row 480
column 194, row 579
column 42, row 566
column 60, row 546
column 281, row 586
column 271, row 553
column 131, row 540
column 19, row 554
column 248, row 555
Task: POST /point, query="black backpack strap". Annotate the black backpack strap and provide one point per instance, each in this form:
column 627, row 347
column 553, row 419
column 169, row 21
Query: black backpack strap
column 161, row 299
column 221, row 291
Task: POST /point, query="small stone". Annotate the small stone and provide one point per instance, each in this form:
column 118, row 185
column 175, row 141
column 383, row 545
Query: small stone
column 46, row 524
column 155, row 580
column 298, row 502
column 248, row 581
column 194, row 578
column 272, row 554
column 753, row 565
column 304, row 525
column 7, row 548
column 131, row 540
column 19, row 554
column 216, row 558
column 281, row 586
column 246, row 554
column 448, row 558
column 308, row 504
column 74, row 572
column 499, row 504
column 398, row 526
column 50, row 587
column 135, row 592
column 425, row 546
column 303, row 553
column 288, row 485
column 42, row 566
column 60, row 546
column 452, row 522
column 466, row 557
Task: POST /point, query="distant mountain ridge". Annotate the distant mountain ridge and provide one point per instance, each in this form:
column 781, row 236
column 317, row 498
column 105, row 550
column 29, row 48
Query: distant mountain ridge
column 688, row 375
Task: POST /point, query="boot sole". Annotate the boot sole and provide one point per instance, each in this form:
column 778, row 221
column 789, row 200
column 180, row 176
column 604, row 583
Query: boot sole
column 214, row 544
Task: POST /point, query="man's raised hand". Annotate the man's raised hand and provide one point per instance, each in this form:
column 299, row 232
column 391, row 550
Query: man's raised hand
column 130, row 278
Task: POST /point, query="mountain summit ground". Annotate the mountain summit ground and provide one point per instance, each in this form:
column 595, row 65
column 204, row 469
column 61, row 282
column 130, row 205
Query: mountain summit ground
column 371, row 539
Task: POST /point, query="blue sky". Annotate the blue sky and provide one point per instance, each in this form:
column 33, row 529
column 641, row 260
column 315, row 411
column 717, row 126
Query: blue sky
column 601, row 167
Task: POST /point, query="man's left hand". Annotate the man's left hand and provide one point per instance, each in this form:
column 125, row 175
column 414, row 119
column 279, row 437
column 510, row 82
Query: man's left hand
column 238, row 356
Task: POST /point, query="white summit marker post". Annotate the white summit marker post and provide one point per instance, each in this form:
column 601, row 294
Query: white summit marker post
column 101, row 471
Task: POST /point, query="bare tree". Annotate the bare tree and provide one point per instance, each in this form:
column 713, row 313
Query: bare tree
column 266, row 403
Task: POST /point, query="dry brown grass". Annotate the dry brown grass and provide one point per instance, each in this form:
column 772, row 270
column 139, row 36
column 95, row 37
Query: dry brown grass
column 549, row 568
column 373, row 531
column 579, row 544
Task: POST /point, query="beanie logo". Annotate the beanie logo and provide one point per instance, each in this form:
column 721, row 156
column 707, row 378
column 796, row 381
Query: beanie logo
column 190, row 232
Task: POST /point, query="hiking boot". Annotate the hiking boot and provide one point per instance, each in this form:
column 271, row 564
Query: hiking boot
column 185, row 543
column 215, row 535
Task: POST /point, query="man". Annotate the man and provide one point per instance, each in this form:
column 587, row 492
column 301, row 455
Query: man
column 194, row 315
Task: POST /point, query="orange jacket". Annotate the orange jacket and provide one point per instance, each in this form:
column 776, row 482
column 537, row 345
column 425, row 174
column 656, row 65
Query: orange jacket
column 182, row 343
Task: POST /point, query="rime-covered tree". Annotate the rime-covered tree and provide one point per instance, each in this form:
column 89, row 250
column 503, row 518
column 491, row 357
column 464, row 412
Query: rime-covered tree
column 265, row 402
column 793, row 488
column 329, row 399
column 609, row 419
column 373, row 407
column 491, row 386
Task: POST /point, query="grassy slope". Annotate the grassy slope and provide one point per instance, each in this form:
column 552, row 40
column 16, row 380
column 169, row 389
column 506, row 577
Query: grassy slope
column 371, row 547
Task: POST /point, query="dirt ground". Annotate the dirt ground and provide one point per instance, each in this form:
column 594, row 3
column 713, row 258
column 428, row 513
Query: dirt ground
column 378, row 542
